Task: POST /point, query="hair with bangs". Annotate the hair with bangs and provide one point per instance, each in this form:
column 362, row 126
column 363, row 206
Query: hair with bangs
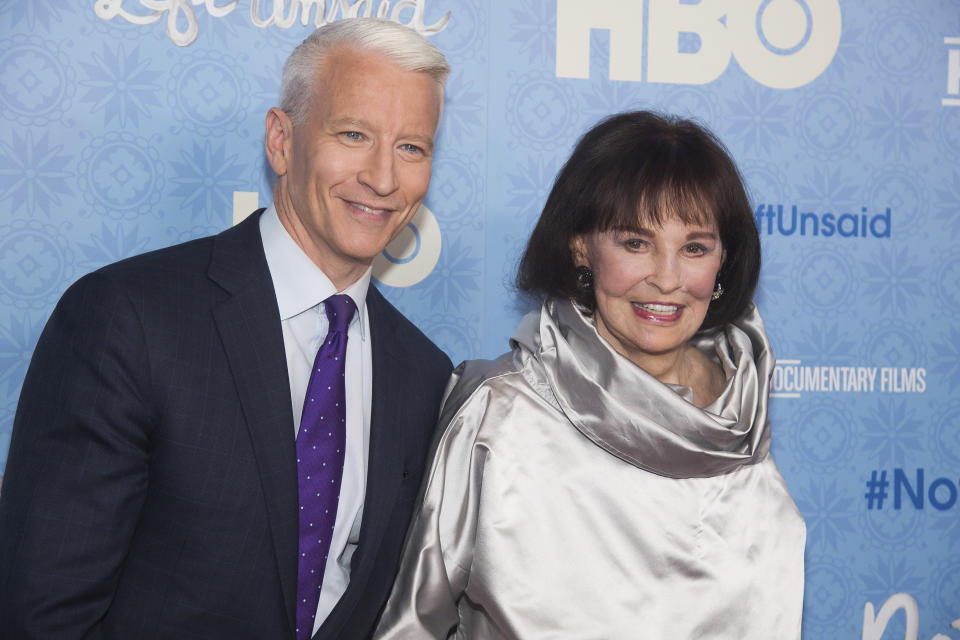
column 405, row 47
column 636, row 170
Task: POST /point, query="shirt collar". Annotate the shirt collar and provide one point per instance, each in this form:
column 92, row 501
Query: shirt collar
column 298, row 282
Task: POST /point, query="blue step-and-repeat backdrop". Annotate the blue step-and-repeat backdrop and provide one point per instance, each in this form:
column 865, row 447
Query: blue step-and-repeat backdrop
column 128, row 125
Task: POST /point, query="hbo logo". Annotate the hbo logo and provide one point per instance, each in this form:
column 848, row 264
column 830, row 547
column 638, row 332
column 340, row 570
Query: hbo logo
column 782, row 44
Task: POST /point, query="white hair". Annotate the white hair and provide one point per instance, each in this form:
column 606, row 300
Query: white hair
column 405, row 47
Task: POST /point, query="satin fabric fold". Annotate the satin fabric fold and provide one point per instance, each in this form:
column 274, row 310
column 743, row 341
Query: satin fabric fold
column 572, row 495
column 597, row 389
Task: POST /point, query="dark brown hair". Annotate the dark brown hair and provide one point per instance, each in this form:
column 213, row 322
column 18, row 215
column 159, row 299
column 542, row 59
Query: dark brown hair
column 642, row 168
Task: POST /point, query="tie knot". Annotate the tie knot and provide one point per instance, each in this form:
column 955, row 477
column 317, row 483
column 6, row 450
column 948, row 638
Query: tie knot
column 339, row 310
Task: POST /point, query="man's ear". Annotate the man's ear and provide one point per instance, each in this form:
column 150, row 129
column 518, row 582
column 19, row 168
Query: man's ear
column 278, row 140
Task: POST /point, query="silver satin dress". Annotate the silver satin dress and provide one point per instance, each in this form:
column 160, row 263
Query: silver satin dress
column 573, row 495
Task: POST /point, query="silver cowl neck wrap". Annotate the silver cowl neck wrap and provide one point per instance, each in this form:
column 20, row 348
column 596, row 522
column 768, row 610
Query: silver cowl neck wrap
column 573, row 495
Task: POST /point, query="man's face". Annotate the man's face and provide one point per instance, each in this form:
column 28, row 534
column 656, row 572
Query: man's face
column 354, row 173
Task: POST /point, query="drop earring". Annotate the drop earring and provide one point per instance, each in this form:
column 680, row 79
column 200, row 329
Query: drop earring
column 717, row 292
column 584, row 278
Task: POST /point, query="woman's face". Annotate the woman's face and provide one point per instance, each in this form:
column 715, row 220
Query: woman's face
column 652, row 286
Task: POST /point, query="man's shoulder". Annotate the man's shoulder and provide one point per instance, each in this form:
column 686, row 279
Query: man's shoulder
column 184, row 261
column 185, row 256
column 412, row 337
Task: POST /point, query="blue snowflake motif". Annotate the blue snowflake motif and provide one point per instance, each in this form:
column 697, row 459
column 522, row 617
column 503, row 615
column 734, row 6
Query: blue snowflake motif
column 455, row 278
column 692, row 102
column 947, row 525
column 902, row 50
column 464, row 39
column 765, row 182
column 463, row 110
column 206, row 180
column 774, row 275
column 904, row 190
column 944, row 440
column 891, row 342
column 123, row 176
column 537, row 108
column 891, row 432
column 33, row 175
column 37, row 81
column 898, row 123
column 828, row 514
column 111, row 245
column 758, row 119
column 828, row 593
column 530, row 185
column 848, row 52
column 456, row 192
column 535, row 28
column 219, row 32
column 30, row 264
column 18, row 337
column 946, row 212
column 889, row 576
column 823, row 278
column 823, row 435
column 606, row 97
column 265, row 92
column 208, row 94
column 944, row 587
column 946, row 357
column 828, row 121
column 36, row 259
column 828, row 188
column 120, row 85
column 948, row 284
column 894, row 278
column 824, row 338
column 948, row 132
column 36, row 14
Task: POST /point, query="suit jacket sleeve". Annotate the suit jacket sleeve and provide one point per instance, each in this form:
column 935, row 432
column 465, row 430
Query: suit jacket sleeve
column 78, row 462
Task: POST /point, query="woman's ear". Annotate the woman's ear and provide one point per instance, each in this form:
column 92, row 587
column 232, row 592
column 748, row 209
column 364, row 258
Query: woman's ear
column 578, row 250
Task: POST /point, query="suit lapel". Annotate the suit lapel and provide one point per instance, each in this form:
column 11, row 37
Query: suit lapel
column 249, row 326
column 386, row 432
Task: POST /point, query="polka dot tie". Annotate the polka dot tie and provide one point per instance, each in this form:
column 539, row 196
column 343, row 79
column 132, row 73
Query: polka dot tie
column 321, row 442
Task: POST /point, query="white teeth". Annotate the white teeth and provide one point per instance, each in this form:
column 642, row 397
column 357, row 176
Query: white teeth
column 659, row 309
column 367, row 209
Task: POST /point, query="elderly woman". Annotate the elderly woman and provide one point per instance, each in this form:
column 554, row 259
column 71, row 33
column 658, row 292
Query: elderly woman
column 610, row 476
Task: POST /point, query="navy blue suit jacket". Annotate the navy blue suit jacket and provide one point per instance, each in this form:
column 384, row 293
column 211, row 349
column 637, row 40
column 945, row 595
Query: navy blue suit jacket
column 151, row 488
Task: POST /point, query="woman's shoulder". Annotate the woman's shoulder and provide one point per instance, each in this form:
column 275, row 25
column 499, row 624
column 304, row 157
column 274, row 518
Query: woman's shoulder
column 470, row 376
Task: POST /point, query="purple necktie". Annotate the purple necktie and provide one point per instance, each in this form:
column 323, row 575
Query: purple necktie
column 321, row 442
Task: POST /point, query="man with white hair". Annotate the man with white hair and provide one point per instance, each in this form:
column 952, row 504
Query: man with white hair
column 225, row 438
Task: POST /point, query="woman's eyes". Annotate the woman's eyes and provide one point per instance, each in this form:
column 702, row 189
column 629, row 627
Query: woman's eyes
column 692, row 249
